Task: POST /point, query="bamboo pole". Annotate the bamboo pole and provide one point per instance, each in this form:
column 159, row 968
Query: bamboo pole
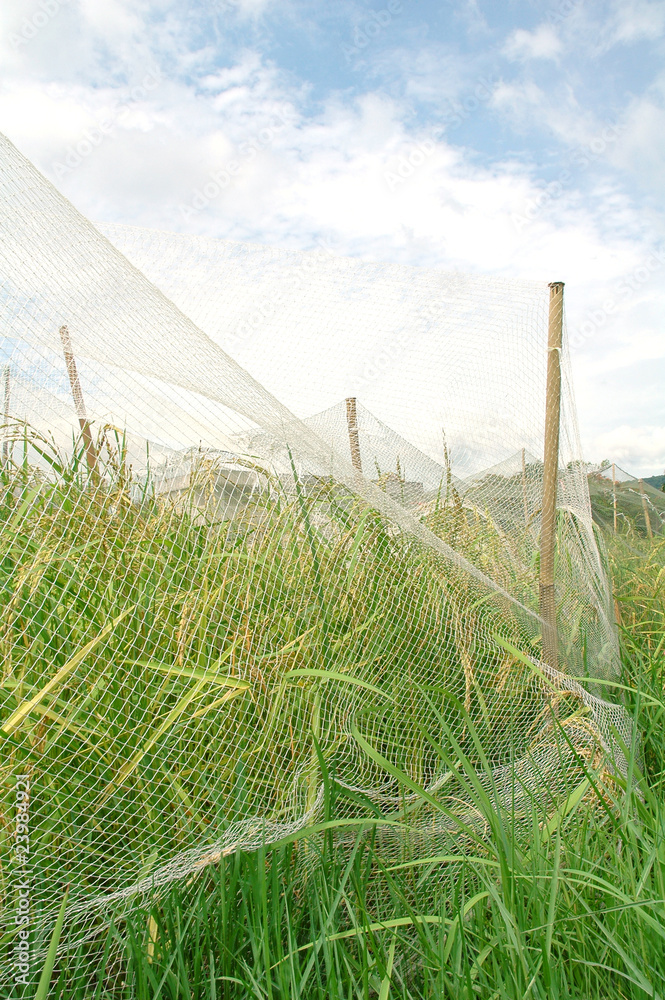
column 7, row 390
column 614, row 495
column 525, row 499
column 77, row 393
column 354, row 440
column 645, row 508
column 550, row 475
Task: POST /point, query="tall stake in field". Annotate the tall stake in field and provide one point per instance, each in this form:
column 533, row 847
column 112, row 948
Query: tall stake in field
column 354, row 440
column 645, row 508
column 551, row 475
column 77, row 393
column 525, row 498
column 614, row 496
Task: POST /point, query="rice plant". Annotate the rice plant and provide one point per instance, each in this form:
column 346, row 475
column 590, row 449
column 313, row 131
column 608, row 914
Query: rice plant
column 167, row 675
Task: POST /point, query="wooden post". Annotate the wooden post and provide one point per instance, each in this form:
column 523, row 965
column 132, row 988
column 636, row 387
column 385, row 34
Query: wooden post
column 5, row 440
column 354, row 440
column 645, row 508
column 525, row 499
column 551, row 475
column 614, row 496
column 77, row 393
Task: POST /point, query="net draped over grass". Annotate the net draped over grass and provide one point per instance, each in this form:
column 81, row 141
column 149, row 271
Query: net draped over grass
column 217, row 652
column 569, row 902
column 210, row 615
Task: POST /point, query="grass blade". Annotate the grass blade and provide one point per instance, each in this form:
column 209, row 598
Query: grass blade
column 17, row 717
column 47, row 971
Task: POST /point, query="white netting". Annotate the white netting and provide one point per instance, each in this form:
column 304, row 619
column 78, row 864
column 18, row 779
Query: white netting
column 449, row 371
column 622, row 503
column 201, row 593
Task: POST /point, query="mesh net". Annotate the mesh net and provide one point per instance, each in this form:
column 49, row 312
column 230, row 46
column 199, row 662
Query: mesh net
column 216, row 573
column 622, row 503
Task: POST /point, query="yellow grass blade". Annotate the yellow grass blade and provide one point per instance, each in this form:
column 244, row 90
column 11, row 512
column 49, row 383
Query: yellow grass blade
column 24, row 709
column 220, row 701
column 193, row 673
column 167, row 724
column 152, row 938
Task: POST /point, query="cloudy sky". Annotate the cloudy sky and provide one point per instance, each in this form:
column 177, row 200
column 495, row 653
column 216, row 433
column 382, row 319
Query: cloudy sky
column 523, row 139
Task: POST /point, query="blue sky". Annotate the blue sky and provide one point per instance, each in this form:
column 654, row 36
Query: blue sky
column 519, row 139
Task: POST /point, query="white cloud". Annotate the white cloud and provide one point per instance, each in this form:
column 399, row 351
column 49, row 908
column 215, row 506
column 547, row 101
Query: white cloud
column 296, row 176
column 635, row 20
column 112, row 19
column 521, row 102
column 529, row 108
column 641, row 147
column 249, row 8
column 634, row 448
column 543, row 43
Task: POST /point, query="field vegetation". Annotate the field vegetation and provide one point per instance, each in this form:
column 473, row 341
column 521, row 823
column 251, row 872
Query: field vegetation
column 167, row 678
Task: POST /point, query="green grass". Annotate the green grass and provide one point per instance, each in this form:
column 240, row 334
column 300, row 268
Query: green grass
column 573, row 908
column 566, row 903
column 165, row 677
column 307, row 646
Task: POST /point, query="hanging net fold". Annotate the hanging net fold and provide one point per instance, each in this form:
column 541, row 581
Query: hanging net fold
column 217, row 573
column 622, row 503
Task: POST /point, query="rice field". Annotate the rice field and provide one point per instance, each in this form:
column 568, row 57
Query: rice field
column 169, row 677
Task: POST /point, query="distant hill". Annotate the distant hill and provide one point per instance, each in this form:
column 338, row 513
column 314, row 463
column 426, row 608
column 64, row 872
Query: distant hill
column 624, row 503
